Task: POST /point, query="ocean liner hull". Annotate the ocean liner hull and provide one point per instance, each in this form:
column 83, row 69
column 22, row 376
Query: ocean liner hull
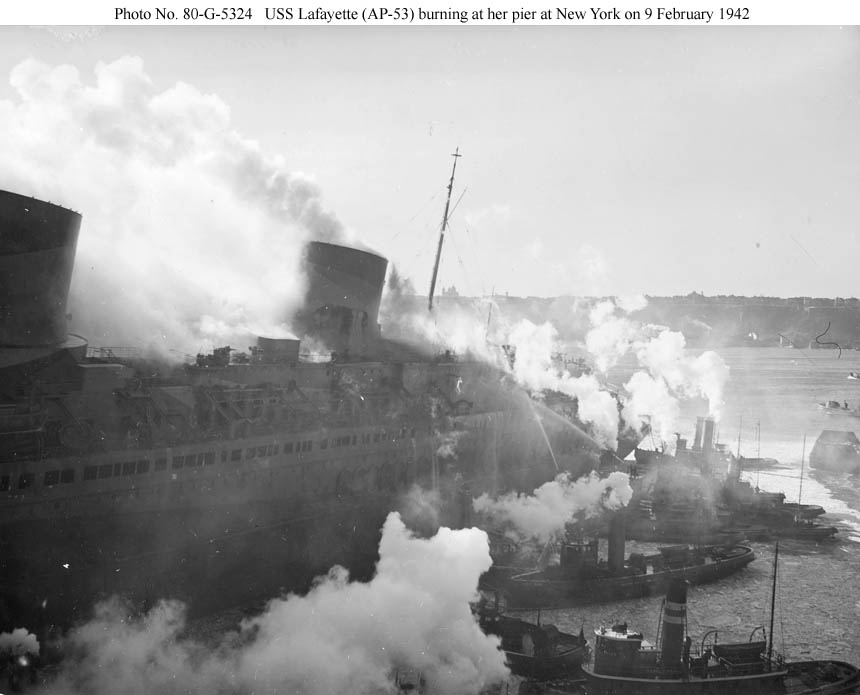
column 236, row 524
column 221, row 522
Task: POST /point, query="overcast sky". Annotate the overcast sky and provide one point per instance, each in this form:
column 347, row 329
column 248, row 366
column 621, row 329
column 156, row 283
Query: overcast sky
column 595, row 160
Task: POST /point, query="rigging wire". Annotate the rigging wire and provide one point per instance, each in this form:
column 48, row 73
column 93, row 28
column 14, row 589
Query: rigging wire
column 457, row 204
column 420, row 210
column 470, row 273
column 480, row 271
column 452, row 237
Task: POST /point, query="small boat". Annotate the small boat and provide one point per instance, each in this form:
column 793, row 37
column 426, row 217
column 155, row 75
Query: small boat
column 580, row 577
column 836, row 408
column 626, row 664
column 757, row 463
column 764, row 516
column 796, row 529
column 854, row 376
column 803, row 511
column 535, row 651
column 681, row 522
column 714, row 506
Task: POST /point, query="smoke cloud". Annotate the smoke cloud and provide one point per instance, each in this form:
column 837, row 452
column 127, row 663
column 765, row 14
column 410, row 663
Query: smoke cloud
column 342, row 637
column 667, row 373
column 664, row 373
column 535, row 369
column 705, row 375
column 466, row 330
column 191, row 236
column 17, row 642
column 543, row 514
column 420, row 508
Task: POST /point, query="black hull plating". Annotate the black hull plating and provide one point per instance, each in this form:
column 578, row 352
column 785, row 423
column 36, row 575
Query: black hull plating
column 799, row 678
column 224, row 532
column 531, row 590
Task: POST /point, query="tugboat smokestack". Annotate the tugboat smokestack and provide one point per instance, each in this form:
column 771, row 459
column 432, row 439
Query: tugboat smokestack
column 616, row 542
column 708, row 437
column 674, row 624
column 697, row 439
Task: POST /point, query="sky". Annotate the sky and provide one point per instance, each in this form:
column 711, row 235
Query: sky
column 596, row 160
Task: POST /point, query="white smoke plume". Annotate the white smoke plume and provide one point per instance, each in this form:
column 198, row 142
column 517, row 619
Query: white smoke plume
column 342, row 637
column 669, row 374
column 543, row 514
column 18, row 642
column 534, row 369
column 704, row 376
column 191, row 236
column 610, row 337
column 398, row 299
column 420, row 508
column 650, row 400
column 449, row 327
column 463, row 330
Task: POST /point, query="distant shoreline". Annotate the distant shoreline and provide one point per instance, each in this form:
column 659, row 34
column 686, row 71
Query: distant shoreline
column 705, row 321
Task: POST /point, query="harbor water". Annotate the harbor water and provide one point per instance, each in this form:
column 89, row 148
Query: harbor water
column 818, row 588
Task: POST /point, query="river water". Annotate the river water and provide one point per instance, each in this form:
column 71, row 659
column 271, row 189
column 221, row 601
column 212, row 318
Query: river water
column 818, row 589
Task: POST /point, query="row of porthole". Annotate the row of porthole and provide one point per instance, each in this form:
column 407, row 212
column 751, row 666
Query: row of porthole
column 386, row 476
column 142, row 466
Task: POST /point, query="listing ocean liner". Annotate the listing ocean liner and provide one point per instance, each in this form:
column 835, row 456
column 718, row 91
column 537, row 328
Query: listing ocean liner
column 240, row 474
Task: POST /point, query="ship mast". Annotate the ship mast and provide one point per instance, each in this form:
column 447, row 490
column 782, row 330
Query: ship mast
column 456, row 155
column 740, row 429
column 772, row 602
column 800, row 490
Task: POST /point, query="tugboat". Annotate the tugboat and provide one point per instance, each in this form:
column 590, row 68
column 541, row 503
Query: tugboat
column 581, row 577
column 626, row 664
column 698, row 494
column 534, row 651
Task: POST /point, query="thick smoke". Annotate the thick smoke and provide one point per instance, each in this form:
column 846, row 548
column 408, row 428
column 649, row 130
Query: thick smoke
column 342, row 637
column 664, row 372
column 704, row 376
column 610, row 337
column 667, row 372
column 535, row 369
column 466, row 330
column 543, row 514
column 17, row 642
column 191, row 236
column 420, row 508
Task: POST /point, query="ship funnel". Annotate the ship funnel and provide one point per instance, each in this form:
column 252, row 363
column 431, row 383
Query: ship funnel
column 616, row 542
column 708, row 436
column 344, row 292
column 37, row 254
column 697, row 439
column 674, row 624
